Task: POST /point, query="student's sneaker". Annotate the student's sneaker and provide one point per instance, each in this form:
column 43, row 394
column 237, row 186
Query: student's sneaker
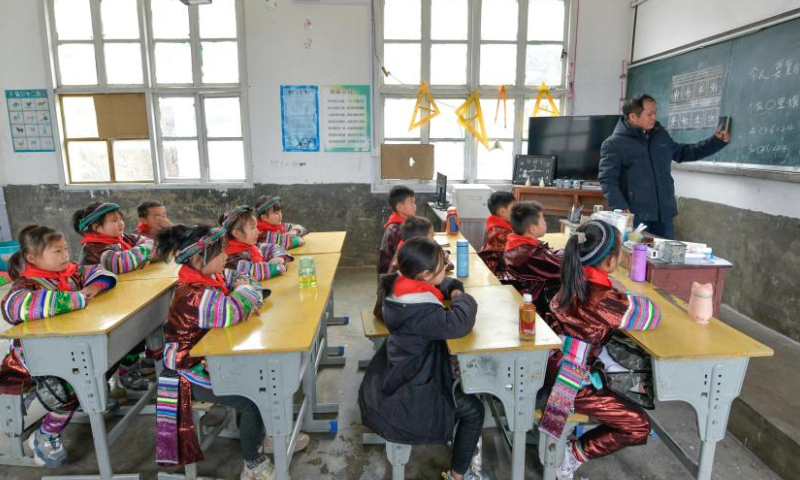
column 569, row 466
column 262, row 471
column 302, row 442
column 133, row 380
column 470, row 475
column 48, row 450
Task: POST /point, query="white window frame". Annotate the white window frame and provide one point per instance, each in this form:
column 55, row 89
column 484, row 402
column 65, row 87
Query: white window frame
column 449, row 94
column 151, row 91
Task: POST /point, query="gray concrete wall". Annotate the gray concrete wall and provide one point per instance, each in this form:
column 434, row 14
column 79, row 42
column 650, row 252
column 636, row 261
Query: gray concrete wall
column 322, row 207
column 765, row 250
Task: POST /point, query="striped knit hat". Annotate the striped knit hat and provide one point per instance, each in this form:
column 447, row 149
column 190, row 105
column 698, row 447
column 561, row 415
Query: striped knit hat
column 96, row 214
column 271, row 202
column 200, row 246
column 597, row 252
column 229, row 218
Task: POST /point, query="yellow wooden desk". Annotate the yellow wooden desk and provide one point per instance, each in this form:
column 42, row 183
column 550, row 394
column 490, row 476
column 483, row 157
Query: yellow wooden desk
column 479, row 273
column 80, row 347
column 703, row 365
column 156, row 270
column 321, row 242
column 268, row 356
column 448, row 242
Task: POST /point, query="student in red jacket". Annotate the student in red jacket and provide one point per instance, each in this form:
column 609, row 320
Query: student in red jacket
column 498, row 227
column 403, row 203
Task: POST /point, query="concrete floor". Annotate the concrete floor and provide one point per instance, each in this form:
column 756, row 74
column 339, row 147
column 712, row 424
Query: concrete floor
column 344, row 457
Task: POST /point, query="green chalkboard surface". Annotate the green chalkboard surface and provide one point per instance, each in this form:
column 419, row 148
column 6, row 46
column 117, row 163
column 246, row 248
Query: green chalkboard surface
column 754, row 79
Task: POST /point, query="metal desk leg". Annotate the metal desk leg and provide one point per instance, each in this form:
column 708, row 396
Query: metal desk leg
column 313, row 359
column 331, row 356
column 13, row 426
column 709, row 386
column 343, row 320
column 515, row 378
column 376, row 344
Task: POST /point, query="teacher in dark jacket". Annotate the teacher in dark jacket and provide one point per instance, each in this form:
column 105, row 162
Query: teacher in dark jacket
column 636, row 162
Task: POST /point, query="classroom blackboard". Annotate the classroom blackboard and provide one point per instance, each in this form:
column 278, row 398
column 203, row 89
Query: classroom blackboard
column 754, row 79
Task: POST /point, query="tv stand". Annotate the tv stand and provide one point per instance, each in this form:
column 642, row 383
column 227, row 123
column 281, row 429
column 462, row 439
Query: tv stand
column 559, row 201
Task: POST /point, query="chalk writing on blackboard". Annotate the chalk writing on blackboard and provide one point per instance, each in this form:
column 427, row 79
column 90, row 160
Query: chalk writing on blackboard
column 696, row 98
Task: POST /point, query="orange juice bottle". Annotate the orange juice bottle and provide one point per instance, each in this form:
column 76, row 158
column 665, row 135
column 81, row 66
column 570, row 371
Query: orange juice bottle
column 527, row 316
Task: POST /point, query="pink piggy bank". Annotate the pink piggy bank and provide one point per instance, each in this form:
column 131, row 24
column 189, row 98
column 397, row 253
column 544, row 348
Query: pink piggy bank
column 701, row 304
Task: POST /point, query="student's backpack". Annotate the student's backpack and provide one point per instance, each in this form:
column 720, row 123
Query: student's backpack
column 637, row 383
column 55, row 394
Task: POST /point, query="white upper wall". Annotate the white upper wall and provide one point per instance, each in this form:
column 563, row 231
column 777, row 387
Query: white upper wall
column 662, row 25
column 341, row 54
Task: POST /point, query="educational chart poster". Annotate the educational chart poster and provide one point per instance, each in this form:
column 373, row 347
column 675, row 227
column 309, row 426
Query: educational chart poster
column 345, row 118
column 300, row 118
column 29, row 117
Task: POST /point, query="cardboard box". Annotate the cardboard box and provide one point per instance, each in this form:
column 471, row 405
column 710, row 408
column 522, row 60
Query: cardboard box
column 407, row 162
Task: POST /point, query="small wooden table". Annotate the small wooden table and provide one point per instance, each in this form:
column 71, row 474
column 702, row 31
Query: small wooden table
column 81, row 346
column 559, row 201
column 448, row 242
column 156, row 270
column 321, row 242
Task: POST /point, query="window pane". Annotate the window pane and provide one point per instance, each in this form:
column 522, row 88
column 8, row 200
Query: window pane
column 498, row 129
column 397, row 117
column 546, row 20
column 529, row 104
column 449, row 19
column 123, row 63
column 543, row 63
column 499, row 19
column 177, row 116
column 498, row 64
column 448, row 158
column 496, row 164
column 445, row 125
column 77, row 65
column 403, row 62
column 73, row 20
column 402, row 20
column 448, row 64
column 132, row 160
column 181, row 159
column 218, row 20
column 80, row 118
column 120, row 19
column 226, row 160
column 173, row 63
column 170, row 19
column 88, row 161
column 223, row 117
column 220, row 62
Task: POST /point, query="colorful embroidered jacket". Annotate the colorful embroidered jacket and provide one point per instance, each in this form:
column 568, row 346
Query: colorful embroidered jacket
column 534, row 269
column 286, row 240
column 243, row 263
column 114, row 258
column 36, row 299
column 195, row 309
column 494, row 245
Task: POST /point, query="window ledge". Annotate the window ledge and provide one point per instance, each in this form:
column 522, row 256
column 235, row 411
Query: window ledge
column 85, row 187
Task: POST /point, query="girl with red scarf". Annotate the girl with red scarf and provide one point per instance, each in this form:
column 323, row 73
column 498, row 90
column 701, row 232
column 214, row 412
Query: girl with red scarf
column 46, row 284
column 271, row 227
column 261, row 261
column 105, row 242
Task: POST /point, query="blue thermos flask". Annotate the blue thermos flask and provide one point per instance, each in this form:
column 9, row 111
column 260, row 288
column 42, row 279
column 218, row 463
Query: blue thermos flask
column 462, row 258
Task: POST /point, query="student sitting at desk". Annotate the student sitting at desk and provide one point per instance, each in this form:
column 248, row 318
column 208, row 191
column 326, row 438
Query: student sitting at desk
column 403, row 203
column 588, row 311
column 409, row 393
column 206, row 296
column 530, row 264
column 46, row 284
column 105, row 243
column 497, row 230
column 152, row 218
column 261, row 261
column 271, row 227
column 412, row 227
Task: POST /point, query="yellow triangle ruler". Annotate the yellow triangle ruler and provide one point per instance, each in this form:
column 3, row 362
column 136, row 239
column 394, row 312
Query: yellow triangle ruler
column 474, row 101
column 432, row 109
column 502, row 96
column 545, row 92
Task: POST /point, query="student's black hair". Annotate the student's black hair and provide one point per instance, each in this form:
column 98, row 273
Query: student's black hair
column 498, row 200
column 33, row 239
column 601, row 240
column 398, row 194
column 239, row 224
column 635, row 105
column 143, row 209
column 80, row 214
column 414, row 227
column 170, row 241
column 418, row 255
column 525, row 214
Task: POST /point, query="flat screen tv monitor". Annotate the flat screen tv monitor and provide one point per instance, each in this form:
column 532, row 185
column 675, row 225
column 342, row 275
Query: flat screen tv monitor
column 575, row 141
column 441, row 190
